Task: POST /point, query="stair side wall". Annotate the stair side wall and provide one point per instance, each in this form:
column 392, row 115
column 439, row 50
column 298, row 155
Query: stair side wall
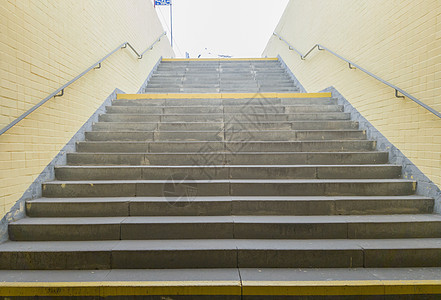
column 34, row 191
column 400, row 41
column 425, row 186
column 44, row 45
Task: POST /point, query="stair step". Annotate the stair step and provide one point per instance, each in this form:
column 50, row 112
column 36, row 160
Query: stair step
column 195, row 126
column 225, row 102
column 227, row 118
column 226, row 227
column 226, row 158
column 178, row 254
column 232, row 187
column 222, row 109
column 224, row 89
column 221, row 135
column 228, row 205
column 224, row 146
column 228, row 172
column 253, row 192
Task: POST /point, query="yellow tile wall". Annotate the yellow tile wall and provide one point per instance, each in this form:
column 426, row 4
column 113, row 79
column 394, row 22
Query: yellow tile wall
column 46, row 43
column 398, row 40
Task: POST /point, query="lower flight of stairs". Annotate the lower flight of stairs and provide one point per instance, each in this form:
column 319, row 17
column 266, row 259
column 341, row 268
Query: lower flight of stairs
column 266, row 196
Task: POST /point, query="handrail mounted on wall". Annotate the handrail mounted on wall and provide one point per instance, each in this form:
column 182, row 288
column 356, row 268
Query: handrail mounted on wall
column 60, row 91
column 355, row 66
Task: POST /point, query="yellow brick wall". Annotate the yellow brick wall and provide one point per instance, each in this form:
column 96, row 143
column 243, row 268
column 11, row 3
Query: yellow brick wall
column 398, row 40
column 44, row 44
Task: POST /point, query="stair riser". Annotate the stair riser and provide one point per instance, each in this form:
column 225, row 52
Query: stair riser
column 212, row 207
column 224, row 102
column 227, row 80
column 131, row 230
column 221, row 90
column 232, row 147
column 202, row 74
column 244, row 85
column 222, row 68
column 64, row 173
column 207, row 86
column 225, row 159
column 98, row 189
column 221, row 109
column 217, row 71
column 227, row 118
column 225, row 136
column 210, row 82
column 226, row 68
column 228, row 258
column 199, row 126
column 236, row 82
column 213, row 73
column 165, row 81
column 322, row 207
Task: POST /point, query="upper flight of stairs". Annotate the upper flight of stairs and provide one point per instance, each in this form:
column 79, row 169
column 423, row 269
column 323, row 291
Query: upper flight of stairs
column 248, row 76
column 227, row 188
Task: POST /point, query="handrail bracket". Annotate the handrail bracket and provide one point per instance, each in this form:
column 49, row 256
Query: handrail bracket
column 398, row 96
column 60, row 91
column 352, row 66
column 60, row 94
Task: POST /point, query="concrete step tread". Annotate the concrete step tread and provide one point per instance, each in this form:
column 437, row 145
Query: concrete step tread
column 262, row 103
column 157, row 83
column 229, row 131
column 227, row 142
column 232, row 123
column 231, row 113
column 206, row 156
column 256, row 181
column 236, row 187
column 229, row 199
column 220, row 244
column 167, row 98
column 227, row 205
column 348, row 219
column 231, row 153
column 229, row 166
column 243, row 181
column 266, row 276
column 152, row 276
column 224, row 98
column 224, row 102
column 177, row 146
column 220, row 106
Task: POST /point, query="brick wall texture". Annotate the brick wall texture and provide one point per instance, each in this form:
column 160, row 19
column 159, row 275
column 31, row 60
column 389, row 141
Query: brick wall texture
column 46, row 43
column 398, row 40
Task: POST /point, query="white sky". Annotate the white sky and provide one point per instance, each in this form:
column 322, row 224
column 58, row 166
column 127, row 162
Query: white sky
column 240, row 28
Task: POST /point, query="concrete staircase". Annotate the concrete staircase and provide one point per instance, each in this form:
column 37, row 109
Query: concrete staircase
column 226, row 188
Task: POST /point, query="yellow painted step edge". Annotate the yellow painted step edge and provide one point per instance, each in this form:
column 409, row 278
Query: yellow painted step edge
column 220, row 59
column 223, row 96
column 249, row 288
column 120, row 288
column 342, row 288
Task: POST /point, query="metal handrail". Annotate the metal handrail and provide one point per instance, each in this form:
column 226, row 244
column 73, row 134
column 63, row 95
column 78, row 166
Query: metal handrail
column 60, row 91
column 355, row 66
